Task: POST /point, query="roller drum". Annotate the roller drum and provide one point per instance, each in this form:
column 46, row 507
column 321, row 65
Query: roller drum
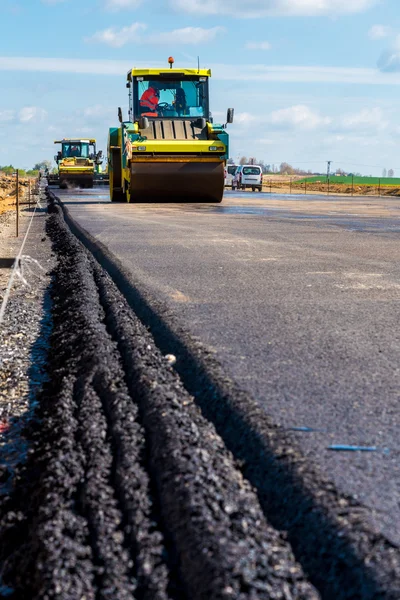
column 177, row 181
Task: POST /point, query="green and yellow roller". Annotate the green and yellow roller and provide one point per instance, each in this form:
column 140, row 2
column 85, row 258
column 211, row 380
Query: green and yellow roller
column 169, row 149
column 78, row 162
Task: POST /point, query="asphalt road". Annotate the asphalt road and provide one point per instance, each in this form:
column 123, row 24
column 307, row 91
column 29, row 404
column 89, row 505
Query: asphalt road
column 299, row 298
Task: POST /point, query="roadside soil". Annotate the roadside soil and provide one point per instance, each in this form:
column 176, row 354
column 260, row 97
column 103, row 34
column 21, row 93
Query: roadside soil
column 7, row 192
column 281, row 184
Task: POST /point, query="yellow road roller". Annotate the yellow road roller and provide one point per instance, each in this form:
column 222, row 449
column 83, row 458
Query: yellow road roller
column 169, row 149
column 78, row 162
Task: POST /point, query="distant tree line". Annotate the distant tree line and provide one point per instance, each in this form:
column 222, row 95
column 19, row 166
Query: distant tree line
column 286, row 169
column 41, row 166
column 282, row 169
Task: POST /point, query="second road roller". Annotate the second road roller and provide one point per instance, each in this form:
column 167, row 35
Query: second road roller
column 169, row 149
column 78, row 163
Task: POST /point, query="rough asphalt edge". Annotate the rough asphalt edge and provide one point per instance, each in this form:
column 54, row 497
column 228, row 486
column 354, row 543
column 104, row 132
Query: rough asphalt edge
column 353, row 559
column 224, row 545
column 226, row 548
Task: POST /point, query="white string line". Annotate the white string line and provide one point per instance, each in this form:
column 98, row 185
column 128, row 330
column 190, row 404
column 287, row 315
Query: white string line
column 16, row 265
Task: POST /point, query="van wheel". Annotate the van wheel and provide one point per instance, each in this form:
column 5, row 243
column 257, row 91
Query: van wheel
column 253, row 188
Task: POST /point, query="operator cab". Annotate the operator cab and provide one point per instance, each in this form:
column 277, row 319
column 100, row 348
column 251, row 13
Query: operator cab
column 76, row 149
column 170, row 96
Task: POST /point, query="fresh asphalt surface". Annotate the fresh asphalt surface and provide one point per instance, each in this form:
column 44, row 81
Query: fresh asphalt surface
column 299, row 298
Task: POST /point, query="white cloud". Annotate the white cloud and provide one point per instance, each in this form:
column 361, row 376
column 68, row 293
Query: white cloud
column 368, row 119
column 133, row 34
column 117, row 38
column 98, row 111
column 186, row 35
column 246, row 118
column 31, row 114
column 303, row 118
column 379, row 32
column 264, row 8
column 116, row 5
column 6, row 116
column 297, row 117
column 293, row 117
column 223, row 72
column 389, row 60
column 258, row 46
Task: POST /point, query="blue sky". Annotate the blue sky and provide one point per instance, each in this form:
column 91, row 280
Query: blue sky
column 310, row 80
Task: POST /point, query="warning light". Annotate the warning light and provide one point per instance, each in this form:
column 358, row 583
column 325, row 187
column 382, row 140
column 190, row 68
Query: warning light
column 171, row 61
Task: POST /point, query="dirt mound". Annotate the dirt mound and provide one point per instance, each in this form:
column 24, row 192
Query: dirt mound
column 8, row 190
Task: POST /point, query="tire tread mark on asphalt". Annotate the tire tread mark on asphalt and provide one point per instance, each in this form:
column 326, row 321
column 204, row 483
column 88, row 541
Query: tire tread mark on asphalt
column 344, row 556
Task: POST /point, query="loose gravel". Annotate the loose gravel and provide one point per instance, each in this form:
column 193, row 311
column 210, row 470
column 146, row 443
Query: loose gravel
column 23, row 337
column 129, row 492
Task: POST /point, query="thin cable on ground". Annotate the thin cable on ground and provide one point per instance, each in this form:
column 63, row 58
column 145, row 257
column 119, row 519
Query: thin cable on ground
column 16, row 266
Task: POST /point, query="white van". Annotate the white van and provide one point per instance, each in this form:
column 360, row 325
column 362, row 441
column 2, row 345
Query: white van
column 230, row 171
column 248, row 176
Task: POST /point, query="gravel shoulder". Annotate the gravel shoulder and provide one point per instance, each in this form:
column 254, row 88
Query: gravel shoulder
column 23, row 336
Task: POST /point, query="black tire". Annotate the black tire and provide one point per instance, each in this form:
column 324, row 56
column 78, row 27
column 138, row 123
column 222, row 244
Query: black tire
column 117, row 193
column 253, row 188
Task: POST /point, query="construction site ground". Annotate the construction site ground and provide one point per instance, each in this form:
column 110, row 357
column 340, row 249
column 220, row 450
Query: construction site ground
column 195, row 363
column 283, row 184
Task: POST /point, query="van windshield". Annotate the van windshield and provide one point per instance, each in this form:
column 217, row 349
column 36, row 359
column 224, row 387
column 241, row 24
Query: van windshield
column 232, row 169
column 251, row 170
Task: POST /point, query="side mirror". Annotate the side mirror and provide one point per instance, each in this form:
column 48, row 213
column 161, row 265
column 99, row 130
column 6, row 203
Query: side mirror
column 128, row 85
column 229, row 115
column 55, row 157
column 120, row 119
column 143, row 123
column 201, row 123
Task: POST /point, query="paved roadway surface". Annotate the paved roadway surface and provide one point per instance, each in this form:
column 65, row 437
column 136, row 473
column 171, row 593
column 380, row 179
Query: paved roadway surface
column 300, row 298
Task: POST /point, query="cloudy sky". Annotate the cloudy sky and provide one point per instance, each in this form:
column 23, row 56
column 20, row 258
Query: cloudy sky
column 310, row 80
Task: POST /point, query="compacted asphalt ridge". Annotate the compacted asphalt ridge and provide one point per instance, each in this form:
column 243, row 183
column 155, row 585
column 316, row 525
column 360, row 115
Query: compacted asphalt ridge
column 147, row 480
column 129, row 492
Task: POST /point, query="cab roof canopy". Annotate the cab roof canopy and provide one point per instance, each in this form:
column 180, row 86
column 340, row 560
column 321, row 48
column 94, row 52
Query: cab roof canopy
column 75, row 141
column 169, row 73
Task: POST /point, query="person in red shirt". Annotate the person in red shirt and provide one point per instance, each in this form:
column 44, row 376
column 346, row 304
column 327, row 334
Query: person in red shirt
column 149, row 100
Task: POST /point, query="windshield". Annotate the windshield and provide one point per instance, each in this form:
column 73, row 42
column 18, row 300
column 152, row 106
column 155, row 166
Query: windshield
column 77, row 149
column 171, row 98
column 251, row 170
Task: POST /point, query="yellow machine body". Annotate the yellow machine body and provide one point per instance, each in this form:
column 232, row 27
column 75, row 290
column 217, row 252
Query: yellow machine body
column 77, row 162
column 173, row 152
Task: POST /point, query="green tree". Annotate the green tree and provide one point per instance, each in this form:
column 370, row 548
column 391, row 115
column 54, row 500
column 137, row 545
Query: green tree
column 43, row 165
column 7, row 170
